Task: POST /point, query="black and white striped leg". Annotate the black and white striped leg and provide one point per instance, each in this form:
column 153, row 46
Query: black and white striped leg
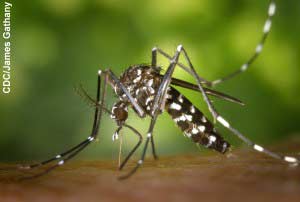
column 140, row 162
column 201, row 88
column 158, row 104
column 259, row 47
column 226, row 124
column 136, row 106
column 133, row 102
column 60, row 163
column 135, row 147
column 67, row 155
column 156, row 50
column 191, row 70
column 154, row 154
column 288, row 159
column 245, row 66
column 86, row 96
column 157, row 107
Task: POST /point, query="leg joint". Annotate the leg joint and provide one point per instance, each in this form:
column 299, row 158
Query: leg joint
column 179, row 48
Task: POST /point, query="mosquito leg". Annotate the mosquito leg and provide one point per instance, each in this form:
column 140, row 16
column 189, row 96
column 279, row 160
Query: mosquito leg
column 136, row 106
column 244, row 67
column 154, row 64
column 57, row 157
column 166, row 80
column 60, row 163
column 288, row 159
column 191, row 71
column 134, row 103
column 135, row 147
column 259, row 47
column 226, row 124
column 140, row 162
column 73, row 151
column 156, row 50
column 157, row 107
column 153, row 148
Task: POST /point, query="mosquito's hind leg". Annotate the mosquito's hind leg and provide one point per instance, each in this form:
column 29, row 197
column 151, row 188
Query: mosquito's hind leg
column 258, row 49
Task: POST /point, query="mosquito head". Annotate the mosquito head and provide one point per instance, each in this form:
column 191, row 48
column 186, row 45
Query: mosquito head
column 119, row 112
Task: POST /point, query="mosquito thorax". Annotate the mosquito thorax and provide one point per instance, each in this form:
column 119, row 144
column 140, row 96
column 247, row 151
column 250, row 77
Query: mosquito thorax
column 142, row 82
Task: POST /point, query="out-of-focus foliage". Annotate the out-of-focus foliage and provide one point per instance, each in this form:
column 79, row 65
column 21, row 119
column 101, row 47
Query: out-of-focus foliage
column 58, row 44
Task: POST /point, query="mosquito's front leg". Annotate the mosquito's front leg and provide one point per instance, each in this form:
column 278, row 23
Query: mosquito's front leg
column 135, row 105
column 69, row 154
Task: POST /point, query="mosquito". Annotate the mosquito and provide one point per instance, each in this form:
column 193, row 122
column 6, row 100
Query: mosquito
column 149, row 93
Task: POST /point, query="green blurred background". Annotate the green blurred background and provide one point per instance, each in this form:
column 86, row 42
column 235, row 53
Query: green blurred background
column 58, row 44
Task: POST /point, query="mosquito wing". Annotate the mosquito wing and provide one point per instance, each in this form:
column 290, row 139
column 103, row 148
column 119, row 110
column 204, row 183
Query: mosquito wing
column 184, row 84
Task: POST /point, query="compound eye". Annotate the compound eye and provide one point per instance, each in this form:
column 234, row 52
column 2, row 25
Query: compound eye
column 121, row 114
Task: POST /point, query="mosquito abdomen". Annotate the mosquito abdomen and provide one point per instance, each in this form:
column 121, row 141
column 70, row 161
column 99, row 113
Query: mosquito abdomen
column 193, row 123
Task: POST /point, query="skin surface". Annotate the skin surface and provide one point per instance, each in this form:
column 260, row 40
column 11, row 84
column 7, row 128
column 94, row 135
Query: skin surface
column 244, row 175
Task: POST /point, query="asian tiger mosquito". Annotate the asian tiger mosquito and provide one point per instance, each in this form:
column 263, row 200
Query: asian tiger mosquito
column 148, row 92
